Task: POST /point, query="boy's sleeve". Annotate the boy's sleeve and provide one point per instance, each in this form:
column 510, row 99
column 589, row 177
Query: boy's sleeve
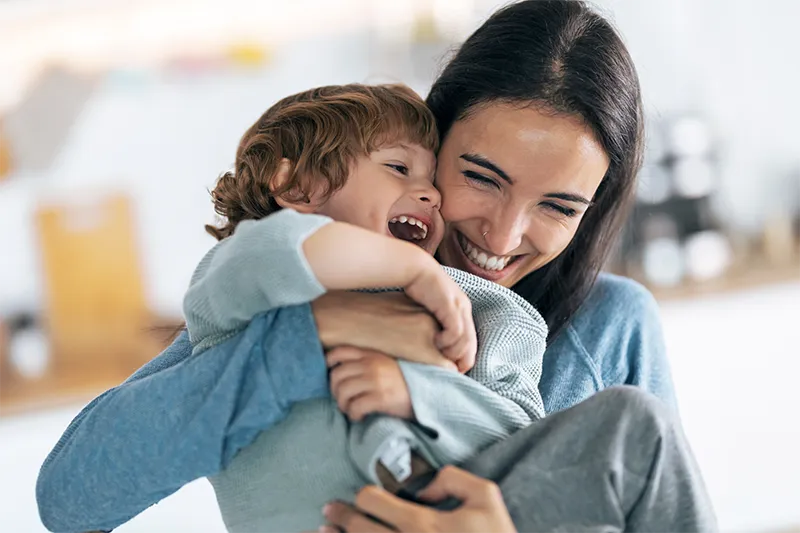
column 259, row 268
column 461, row 416
column 457, row 416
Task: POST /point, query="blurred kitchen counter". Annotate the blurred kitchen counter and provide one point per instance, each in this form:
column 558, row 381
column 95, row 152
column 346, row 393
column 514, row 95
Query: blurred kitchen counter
column 78, row 381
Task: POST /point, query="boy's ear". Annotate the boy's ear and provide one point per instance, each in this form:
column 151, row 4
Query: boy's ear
column 282, row 175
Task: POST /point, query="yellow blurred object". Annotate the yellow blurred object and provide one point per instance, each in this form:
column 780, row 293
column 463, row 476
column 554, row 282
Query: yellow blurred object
column 5, row 360
column 425, row 30
column 5, row 155
column 778, row 240
column 250, row 55
column 96, row 318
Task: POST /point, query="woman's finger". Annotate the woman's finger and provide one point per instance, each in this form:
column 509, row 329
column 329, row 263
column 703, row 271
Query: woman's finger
column 350, row 520
column 453, row 482
column 403, row 515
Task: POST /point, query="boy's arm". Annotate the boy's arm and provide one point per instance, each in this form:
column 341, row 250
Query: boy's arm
column 290, row 258
column 465, row 415
column 179, row 418
column 457, row 416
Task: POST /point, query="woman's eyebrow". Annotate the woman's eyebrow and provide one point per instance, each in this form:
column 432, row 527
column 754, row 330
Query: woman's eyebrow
column 482, row 161
column 569, row 197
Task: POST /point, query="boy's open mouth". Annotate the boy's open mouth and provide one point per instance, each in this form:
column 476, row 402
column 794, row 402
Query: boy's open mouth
column 408, row 228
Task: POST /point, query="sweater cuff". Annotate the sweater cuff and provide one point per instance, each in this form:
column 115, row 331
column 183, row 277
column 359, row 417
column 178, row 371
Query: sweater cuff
column 423, row 395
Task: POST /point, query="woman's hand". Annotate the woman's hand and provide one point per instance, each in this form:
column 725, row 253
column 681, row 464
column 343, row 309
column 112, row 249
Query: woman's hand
column 482, row 508
column 365, row 382
column 387, row 322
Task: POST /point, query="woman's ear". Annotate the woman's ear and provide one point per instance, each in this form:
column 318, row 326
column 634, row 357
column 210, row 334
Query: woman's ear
column 281, row 177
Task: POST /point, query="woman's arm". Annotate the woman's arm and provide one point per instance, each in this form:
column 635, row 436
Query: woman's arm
column 182, row 417
column 290, row 258
column 177, row 419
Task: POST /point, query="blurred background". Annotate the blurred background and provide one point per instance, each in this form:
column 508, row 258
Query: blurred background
column 117, row 116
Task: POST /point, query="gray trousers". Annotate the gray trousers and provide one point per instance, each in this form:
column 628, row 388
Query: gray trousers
column 615, row 462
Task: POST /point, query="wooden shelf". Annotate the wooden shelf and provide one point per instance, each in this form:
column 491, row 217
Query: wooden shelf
column 736, row 280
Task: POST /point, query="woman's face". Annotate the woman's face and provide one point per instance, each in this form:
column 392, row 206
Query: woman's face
column 515, row 184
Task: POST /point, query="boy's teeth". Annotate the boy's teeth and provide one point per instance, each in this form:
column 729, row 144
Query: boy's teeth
column 403, row 219
column 481, row 258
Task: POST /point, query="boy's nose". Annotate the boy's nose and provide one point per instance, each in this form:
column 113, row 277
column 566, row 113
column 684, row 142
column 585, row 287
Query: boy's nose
column 430, row 195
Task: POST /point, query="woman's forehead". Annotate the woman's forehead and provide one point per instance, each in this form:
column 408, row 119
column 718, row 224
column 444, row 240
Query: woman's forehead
column 530, row 142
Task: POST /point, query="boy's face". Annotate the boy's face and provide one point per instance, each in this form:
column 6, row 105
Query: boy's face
column 391, row 192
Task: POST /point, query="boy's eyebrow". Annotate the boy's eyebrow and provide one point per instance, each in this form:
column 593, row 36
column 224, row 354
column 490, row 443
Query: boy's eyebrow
column 482, row 161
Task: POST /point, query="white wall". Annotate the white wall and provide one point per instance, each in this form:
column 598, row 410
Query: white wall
column 164, row 141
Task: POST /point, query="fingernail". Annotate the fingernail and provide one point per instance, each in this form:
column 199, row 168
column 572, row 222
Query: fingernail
column 326, row 509
column 326, row 529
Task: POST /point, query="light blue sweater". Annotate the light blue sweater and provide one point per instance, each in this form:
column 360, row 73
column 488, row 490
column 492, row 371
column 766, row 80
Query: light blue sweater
column 282, row 480
column 180, row 418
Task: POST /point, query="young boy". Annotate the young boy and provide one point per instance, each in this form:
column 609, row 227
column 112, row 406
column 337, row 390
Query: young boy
column 331, row 187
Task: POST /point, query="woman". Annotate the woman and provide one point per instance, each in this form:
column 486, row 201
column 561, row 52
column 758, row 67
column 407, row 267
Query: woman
column 541, row 119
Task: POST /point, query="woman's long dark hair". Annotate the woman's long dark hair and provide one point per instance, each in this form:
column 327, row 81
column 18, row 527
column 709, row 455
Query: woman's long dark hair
column 561, row 55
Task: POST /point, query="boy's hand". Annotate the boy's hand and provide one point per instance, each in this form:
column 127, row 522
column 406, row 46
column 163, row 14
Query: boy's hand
column 439, row 294
column 365, row 382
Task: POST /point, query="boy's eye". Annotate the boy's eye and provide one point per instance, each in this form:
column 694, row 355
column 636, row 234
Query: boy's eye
column 402, row 169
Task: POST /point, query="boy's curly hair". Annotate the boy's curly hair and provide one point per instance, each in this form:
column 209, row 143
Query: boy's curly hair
column 321, row 131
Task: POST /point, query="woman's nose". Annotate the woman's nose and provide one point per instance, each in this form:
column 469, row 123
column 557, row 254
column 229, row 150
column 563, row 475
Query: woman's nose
column 507, row 232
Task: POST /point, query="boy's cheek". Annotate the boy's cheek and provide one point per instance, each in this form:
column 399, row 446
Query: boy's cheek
column 435, row 239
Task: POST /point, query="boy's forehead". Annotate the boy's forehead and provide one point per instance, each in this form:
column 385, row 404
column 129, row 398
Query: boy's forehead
column 411, row 149
column 414, row 154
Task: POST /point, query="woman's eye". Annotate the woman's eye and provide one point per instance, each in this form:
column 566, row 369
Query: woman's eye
column 480, row 179
column 560, row 209
column 402, row 169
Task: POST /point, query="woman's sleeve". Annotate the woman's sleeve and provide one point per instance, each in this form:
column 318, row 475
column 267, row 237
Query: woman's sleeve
column 619, row 327
column 179, row 418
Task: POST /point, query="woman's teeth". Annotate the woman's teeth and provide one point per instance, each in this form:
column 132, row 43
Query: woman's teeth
column 481, row 258
column 414, row 222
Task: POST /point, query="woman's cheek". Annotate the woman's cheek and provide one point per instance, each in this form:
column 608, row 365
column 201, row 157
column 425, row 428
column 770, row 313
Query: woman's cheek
column 550, row 239
column 456, row 204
